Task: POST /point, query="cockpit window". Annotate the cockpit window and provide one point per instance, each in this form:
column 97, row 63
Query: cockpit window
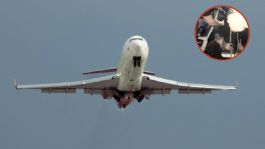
column 135, row 39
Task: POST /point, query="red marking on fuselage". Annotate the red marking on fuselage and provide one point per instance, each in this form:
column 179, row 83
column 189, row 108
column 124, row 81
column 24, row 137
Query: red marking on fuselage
column 124, row 102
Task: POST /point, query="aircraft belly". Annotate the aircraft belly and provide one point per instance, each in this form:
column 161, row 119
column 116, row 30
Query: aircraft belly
column 130, row 78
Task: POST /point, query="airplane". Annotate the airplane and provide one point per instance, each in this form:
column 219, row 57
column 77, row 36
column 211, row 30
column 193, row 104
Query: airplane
column 129, row 80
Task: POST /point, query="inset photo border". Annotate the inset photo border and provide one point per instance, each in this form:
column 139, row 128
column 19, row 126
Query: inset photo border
column 222, row 32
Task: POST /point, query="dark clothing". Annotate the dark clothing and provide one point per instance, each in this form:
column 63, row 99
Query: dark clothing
column 214, row 50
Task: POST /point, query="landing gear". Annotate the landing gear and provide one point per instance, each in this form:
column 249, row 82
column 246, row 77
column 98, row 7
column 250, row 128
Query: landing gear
column 123, row 99
column 117, row 98
column 138, row 96
column 137, row 61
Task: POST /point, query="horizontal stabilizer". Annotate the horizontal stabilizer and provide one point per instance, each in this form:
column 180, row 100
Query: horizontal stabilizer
column 108, row 70
column 114, row 69
column 149, row 73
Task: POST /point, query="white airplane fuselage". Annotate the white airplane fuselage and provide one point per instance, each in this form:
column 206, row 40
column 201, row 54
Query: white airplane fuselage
column 131, row 67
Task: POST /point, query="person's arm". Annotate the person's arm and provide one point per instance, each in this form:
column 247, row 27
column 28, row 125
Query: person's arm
column 211, row 21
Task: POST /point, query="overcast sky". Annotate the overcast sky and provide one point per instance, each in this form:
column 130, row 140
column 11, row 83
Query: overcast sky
column 45, row 41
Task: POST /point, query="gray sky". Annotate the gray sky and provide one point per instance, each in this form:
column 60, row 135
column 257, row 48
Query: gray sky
column 55, row 40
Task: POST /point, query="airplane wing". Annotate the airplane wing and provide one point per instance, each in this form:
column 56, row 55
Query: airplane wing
column 93, row 86
column 157, row 85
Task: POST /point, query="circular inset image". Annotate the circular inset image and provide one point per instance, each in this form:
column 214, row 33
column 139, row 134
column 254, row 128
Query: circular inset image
column 222, row 32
